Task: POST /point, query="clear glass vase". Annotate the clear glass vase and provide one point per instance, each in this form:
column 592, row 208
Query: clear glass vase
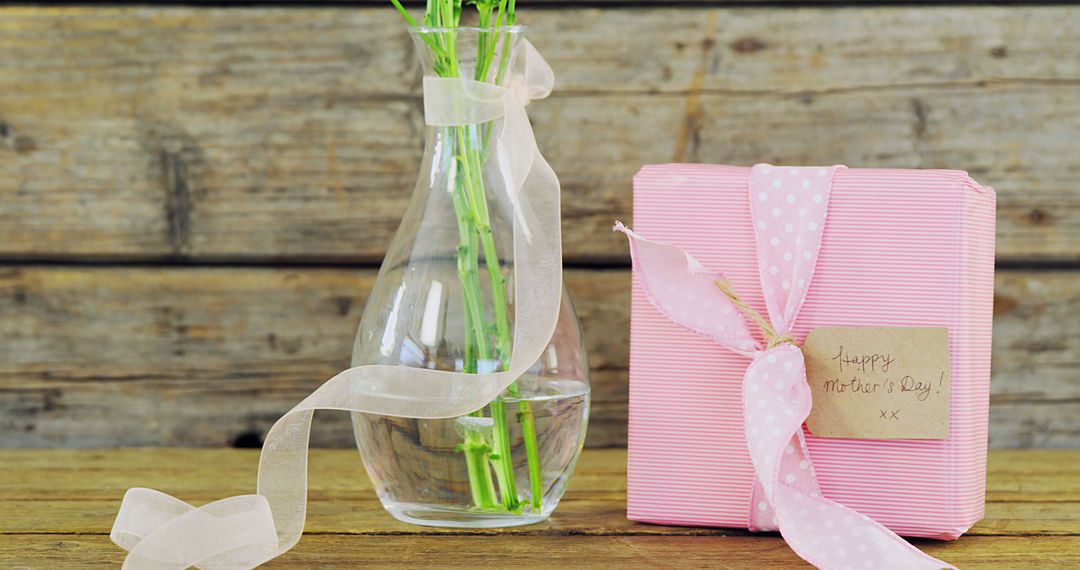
column 444, row 300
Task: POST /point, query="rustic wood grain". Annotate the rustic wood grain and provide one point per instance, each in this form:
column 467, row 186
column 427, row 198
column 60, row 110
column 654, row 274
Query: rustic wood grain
column 1028, row 492
column 102, row 357
column 600, row 513
column 1033, row 476
column 290, row 133
column 60, row 504
column 542, row 552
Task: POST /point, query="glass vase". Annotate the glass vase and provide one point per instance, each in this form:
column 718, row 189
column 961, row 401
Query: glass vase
column 444, row 300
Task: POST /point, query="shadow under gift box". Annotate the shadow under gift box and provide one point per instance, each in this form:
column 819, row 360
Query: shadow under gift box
column 901, row 248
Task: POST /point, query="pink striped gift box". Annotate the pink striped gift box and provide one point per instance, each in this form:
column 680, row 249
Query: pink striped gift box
column 905, row 248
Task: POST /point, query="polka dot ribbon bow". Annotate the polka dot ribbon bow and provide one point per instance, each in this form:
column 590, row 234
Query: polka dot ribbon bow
column 789, row 207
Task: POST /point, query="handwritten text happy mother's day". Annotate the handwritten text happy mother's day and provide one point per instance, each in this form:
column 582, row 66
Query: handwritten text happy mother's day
column 879, row 382
column 855, row 364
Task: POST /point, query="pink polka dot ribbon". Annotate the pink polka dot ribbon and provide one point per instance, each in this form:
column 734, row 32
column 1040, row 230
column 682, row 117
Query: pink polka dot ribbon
column 789, row 207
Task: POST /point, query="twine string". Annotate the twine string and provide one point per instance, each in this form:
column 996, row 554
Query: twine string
column 772, row 338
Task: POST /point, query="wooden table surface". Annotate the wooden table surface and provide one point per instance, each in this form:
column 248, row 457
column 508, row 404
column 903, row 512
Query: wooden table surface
column 56, row 508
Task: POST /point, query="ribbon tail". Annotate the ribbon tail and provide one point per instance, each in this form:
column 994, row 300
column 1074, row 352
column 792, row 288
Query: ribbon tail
column 685, row 292
column 160, row 531
column 538, row 76
column 821, row 531
column 517, row 155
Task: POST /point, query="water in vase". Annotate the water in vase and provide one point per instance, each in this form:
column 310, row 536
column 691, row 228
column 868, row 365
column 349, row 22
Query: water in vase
column 427, row 473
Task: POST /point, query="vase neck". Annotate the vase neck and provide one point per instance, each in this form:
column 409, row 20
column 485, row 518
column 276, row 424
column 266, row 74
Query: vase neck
column 480, row 54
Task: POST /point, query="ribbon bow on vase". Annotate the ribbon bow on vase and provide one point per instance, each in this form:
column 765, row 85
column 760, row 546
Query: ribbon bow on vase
column 450, row 102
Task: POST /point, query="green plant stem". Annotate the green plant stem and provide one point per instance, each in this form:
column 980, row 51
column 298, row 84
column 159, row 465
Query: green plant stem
column 477, row 451
column 464, row 199
column 525, row 416
column 503, row 345
column 474, row 225
column 526, row 419
column 404, row 13
column 532, row 454
column 477, row 454
column 479, row 217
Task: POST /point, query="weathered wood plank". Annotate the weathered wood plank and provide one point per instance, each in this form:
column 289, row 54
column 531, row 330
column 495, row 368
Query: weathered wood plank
column 342, row 499
column 163, row 357
column 478, row 551
column 1034, row 476
column 60, row 504
column 294, row 133
column 599, row 514
column 102, row 357
column 1035, row 386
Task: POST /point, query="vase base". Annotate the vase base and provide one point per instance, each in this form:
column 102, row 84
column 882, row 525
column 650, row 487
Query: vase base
column 426, row 515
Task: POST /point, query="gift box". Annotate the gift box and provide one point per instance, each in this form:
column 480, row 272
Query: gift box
column 900, row 248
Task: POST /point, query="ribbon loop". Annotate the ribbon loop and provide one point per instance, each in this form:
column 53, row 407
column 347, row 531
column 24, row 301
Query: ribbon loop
column 460, row 101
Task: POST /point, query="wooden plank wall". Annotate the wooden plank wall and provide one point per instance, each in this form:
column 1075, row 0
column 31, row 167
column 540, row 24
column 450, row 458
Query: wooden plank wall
column 193, row 200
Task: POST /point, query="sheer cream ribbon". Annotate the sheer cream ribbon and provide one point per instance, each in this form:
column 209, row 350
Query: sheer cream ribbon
column 450, row 102
column 162, row 532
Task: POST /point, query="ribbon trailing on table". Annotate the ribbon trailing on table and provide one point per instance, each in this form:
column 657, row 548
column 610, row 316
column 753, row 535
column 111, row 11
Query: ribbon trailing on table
column 162, row 532
column 788, row 213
